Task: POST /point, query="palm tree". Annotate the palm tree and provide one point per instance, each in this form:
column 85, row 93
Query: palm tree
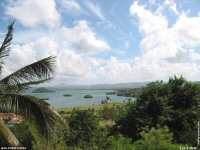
column 31, row 108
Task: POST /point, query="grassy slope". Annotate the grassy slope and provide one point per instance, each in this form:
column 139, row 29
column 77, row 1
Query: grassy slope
column 95, row 107
column 102, row 122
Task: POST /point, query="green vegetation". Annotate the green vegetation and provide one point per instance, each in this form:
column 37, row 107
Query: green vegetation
column 23, row 134
column 95, row 107
column 107, row 100
column 42, row 90
column 156, row 139
column 45, row 99
column 67, row 95
column 129, row 92
column 111, row 93
column 174, row 104
column 88, row 96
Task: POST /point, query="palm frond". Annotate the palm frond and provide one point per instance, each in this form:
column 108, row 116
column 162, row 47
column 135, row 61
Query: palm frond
column 34, row 73
column 5, row 46
column 7, row 134
column 18, row 88
column 4, row 49
column 32, row 108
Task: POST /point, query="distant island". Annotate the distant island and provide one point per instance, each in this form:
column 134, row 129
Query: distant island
column 129, row 92
column 67, row 95
column 42, row 90
column 88, row 96
column 45, row 99
column 111, row 93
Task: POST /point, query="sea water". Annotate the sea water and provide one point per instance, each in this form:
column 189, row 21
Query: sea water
column 57, row 99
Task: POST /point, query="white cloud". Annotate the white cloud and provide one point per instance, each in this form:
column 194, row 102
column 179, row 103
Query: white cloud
column 95, row 9
column 82, row 38
column 149, row 22
column 172, row 6
column 73, row 48
column 116, row 71
column 34, row 12
column 166, row 51
column 71, row 5
column 188, row 31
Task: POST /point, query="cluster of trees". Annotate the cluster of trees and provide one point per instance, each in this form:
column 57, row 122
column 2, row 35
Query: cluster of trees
column 129, row 92
column 174, row 104
column 85, row 133
column 88, row 96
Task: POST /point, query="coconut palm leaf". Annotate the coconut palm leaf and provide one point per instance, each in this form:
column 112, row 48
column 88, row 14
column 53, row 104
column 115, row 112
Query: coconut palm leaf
column 32, row 108
column 8, row 135
column 5, row 47
column 34, row 73
column 18, row 88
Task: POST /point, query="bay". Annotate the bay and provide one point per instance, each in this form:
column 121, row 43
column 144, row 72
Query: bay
column 57, row 100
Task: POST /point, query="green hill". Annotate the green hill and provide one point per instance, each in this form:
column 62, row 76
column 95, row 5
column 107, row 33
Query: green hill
column 42, row 90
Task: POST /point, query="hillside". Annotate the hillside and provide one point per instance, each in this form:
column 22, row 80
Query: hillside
column 42, row 90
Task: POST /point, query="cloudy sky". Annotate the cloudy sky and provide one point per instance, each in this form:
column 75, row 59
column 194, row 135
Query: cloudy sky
column 106, row 41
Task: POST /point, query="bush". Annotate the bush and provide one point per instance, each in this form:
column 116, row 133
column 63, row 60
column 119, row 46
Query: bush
column 156, row 139
column 83, row 126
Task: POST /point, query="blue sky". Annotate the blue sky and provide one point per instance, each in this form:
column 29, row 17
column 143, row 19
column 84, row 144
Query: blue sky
column 106, row 41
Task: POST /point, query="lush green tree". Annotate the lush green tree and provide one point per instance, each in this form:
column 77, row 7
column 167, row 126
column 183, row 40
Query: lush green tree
column 23, row 134
column 145, row 111
column 56, row 142
column 83, row 126
column 183, row 94
column 174, row 104
column 14, row 84
column 156, row 139
column 115, row 143
column 184, row 98
column 109, row 112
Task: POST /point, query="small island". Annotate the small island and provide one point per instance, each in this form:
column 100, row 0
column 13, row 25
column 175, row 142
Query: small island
column 88, row 96
column 45, row 99
column 67, row 95
column 42, row 90
column 111, row 93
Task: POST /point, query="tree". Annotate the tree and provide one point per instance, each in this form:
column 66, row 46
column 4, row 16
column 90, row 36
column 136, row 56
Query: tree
column 83, row 128
column 156, row 139
column 145, row 111
column 184, row 98
column 109, row 112
column 174, row 104
column 13, row 85
column 57, row 142
column 23, row 134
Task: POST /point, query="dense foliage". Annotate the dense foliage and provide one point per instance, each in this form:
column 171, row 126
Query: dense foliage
column 174, row 104
column 129, row 92
column 156, row 139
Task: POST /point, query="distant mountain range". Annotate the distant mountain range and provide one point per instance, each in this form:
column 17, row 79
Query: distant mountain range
column 129, row 85
column 102, row 86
